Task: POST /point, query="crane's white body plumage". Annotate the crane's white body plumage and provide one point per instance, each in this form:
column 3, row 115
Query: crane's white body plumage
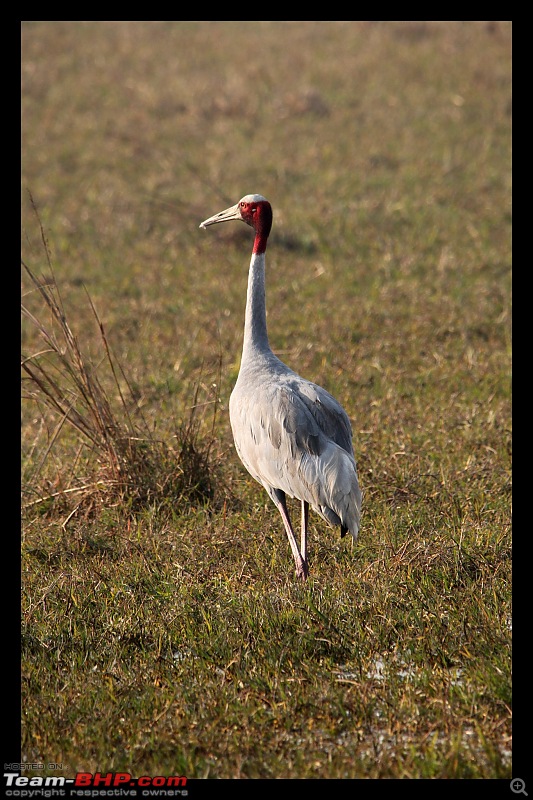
column 292, row 436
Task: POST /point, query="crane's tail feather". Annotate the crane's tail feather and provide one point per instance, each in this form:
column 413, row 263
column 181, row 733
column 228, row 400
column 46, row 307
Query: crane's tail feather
column 330, row 516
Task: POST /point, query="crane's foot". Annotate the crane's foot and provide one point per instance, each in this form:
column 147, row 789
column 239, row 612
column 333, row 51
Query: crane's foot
column 302, row 570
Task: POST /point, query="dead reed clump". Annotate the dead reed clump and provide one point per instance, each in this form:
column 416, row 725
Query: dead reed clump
column 128, row 465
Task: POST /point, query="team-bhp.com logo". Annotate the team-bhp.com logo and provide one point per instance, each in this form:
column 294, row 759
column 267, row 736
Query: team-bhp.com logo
column 89, row 784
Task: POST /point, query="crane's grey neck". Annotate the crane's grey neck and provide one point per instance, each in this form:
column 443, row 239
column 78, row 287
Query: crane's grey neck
column 255, row 328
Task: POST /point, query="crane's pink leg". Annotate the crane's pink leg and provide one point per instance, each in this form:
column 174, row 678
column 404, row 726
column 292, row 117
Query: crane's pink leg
column 301, row 564
column 305, row 519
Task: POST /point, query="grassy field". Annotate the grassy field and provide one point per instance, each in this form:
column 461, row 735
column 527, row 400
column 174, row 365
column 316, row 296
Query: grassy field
column 163, row 631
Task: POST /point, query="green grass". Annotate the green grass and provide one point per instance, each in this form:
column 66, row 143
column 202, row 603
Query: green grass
column 163, row 630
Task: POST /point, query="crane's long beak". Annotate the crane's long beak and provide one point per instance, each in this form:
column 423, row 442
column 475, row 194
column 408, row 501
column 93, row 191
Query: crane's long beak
column 230, row 213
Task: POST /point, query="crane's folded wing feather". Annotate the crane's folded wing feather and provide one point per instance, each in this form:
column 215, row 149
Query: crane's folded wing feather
column 282, row 444
column 328, row 412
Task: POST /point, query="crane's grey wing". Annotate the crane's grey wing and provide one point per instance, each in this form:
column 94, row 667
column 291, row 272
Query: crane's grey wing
column 282, row 445
column 272, row 431
column 330, row 416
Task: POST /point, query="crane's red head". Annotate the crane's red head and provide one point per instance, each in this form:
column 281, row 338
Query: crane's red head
column 253, row 209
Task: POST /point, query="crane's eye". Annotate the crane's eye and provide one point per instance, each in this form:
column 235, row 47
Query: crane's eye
column 242, row 204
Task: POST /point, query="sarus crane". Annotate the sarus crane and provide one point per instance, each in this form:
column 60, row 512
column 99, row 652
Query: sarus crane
column 292, row 436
